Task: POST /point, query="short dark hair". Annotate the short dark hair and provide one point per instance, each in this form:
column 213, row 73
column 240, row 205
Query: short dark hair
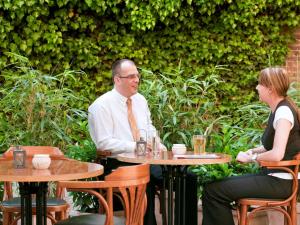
column 116, row 67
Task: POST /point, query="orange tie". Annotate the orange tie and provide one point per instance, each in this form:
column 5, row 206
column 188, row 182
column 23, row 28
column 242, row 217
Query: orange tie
column 132, row 121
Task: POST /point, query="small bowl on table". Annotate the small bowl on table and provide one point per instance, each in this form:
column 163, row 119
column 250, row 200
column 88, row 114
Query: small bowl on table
column 178, row 149
column 41, row 161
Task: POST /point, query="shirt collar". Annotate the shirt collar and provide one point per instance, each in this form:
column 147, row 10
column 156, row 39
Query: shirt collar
column 120, row 97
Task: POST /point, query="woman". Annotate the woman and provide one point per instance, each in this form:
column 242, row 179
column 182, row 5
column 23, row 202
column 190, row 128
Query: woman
column 280, row 141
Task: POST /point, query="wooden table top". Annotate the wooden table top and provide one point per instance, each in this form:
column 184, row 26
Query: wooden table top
column 59, row 170
column 167, row 158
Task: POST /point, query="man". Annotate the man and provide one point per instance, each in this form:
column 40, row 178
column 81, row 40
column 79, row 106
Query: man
column 115, row 119
column 109, row 123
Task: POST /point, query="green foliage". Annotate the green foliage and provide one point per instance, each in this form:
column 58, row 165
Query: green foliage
column 74, row 35
column 184, row 104
column 36, row 108
column 83, row 150
column 181, row 104
column 91, row 35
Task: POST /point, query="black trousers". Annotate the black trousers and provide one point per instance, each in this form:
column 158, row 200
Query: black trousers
column 156, row 179
column 218, row 197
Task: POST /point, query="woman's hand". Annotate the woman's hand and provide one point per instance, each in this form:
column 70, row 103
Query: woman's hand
column 249, row 152
column 244, row 157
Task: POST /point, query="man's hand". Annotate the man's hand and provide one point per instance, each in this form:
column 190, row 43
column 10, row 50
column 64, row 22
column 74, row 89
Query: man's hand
column 161, row 147
column 149, row 147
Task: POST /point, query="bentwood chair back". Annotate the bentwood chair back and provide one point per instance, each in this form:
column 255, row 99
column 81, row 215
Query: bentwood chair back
column 286, row 206
column 131, row 182
column 11, row 206
column 53, row 152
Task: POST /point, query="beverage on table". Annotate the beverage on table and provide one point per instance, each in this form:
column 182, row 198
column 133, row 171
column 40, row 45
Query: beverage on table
column 154, row 142
column 199, row 143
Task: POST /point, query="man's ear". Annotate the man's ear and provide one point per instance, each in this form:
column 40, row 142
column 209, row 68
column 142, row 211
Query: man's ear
column 115, row 79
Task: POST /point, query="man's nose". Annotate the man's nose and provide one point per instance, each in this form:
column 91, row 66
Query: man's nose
column 136, row 79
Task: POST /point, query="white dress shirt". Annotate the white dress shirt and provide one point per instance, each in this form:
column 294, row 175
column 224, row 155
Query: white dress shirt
column 108, row 121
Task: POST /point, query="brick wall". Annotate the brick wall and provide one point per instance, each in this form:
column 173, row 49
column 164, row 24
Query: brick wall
column 292, row 62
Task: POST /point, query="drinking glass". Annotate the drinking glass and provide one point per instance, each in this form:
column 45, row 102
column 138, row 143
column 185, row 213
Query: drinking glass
column 153, row 141
column 199, row 142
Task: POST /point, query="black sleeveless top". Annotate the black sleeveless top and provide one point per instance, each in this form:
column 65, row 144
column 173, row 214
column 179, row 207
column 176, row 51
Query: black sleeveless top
column 293, row 144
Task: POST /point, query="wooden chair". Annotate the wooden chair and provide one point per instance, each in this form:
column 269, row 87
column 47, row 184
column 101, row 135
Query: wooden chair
column 101, row 157
column 11, row 206
column 131, row 181
column 286, row 206
column 53, row 152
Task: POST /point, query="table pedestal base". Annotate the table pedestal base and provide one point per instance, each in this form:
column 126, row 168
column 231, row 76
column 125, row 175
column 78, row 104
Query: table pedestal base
column 26, row 191
column 174, row 175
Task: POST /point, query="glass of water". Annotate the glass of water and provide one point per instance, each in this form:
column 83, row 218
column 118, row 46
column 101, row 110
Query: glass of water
column 153, row 142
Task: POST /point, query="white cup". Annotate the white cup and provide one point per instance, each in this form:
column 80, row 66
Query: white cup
column 41, row 161
column 178, row 146
column 178, row 149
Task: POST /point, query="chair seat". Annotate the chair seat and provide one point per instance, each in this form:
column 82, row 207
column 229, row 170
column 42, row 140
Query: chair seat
column 90, row 219
column 16, row 202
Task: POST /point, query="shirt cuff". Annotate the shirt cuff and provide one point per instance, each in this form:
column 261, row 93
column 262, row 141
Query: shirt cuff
column 130, row 146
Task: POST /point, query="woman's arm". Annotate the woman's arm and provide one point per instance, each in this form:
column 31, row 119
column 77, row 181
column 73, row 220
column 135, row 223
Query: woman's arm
column 282, row 132
column 259, row 149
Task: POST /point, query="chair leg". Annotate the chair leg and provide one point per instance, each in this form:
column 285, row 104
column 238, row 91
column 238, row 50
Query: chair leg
column 7, row 218
column 243, row 215
column 15, row 221
column 51, row 217
column 58, row 216
column 64, row 215
column 293, row 212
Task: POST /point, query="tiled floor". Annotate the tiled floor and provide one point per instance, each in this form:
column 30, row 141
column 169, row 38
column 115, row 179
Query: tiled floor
column 271, row 219
column 260, row 220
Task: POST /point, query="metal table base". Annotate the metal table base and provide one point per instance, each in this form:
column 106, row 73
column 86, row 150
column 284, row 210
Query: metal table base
column 40, row 189
column 174, row 176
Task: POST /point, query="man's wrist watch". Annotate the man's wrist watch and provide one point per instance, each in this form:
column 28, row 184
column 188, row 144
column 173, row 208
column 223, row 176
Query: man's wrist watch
column 254, row 157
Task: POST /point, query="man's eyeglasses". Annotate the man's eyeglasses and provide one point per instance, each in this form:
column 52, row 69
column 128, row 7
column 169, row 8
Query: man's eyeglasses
column 131, row 76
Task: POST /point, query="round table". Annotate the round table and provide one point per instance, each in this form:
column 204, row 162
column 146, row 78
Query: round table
column 174, row 171
column 33, row 181
column 167, row 158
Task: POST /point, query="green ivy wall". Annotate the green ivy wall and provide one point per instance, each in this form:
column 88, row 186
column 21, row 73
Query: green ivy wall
column 90, row 35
